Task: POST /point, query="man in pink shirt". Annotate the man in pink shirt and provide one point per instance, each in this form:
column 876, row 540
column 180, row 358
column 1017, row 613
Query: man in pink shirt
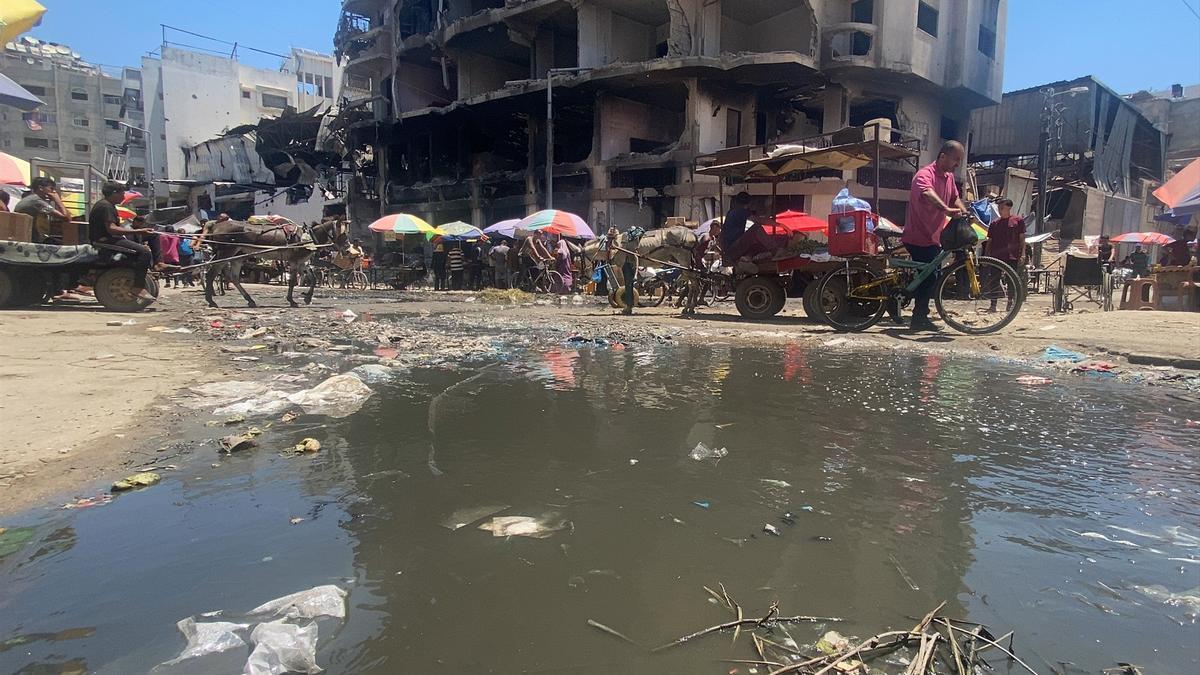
column 932, row 201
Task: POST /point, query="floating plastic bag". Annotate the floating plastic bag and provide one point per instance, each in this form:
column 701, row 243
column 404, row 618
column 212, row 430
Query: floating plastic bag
column 270, row 403
column 218, row 394
column 339, row 396
column 524, row 526
column 321, row 601
column 281, row 647
column 373, row 373
column 208, row 638
column 702, row 452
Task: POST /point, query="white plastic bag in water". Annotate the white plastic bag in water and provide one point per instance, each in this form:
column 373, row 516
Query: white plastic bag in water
column 702, row 452
column 322, row 601
column 208, row 638
column 339, row 396
column 373, row 373
column 281, row 647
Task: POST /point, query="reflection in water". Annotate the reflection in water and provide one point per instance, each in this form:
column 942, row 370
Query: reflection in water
column 908, row 480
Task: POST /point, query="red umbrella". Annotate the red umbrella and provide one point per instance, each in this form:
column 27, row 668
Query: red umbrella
column 131, row 195
column 796, row 221
column 1143, row 238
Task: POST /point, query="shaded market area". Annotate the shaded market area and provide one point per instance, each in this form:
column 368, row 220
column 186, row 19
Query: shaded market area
column 448, row 479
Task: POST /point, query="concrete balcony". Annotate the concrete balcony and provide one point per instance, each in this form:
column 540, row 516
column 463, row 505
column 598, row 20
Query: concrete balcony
column 368, row 53
column 850, row 45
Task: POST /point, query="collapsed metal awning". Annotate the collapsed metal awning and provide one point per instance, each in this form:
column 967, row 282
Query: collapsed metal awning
column 774, row 162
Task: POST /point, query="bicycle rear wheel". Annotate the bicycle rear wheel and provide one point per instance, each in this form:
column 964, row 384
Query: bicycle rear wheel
column 654, row 292
column 359, row 281
column 842, row 310
column 983, row 305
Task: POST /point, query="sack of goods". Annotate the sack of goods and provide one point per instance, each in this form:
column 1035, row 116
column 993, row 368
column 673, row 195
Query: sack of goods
column 958, row 233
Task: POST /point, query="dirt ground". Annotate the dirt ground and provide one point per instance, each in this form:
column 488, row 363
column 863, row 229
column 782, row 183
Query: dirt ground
column 83, row 401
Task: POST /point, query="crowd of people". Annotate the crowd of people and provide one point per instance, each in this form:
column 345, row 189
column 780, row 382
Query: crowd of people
column 504, row 263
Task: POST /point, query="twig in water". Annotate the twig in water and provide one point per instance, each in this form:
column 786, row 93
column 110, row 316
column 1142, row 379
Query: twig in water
column 615, row 633
column 993, row 643
column 746, row 622
column 903, row 575
column 920, row 664
column 924, row 622
column 716, row 596
column 954, row 648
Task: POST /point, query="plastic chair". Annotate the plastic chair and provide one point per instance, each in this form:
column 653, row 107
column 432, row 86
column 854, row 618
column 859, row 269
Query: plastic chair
column 1141, row 294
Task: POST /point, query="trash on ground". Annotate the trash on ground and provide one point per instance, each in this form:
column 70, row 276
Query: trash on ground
column 253, row 333
column 127, row 322
column 702, row 452
column 137, row 480
column 633, row 462
column 349, row 316
column 338, row 396
column 208, row 638
column 524, row 526
column 289, row 416
column 1055, row 354
column 295, row 520
column 775, row 483
column 270, row 402
column 180, row 331
column 1033, row 380
column 235, row 419
column 88, row 502
column 771, row 529
column 14, row 539
column 237, row 442
column 468, row 516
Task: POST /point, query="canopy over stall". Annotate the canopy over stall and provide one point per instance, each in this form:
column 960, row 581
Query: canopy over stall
column 1182, row 192
column 845, row 150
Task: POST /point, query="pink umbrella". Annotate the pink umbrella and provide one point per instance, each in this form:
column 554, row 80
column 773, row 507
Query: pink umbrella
column 557, row 222
column 796, row 221
column 1143, row 238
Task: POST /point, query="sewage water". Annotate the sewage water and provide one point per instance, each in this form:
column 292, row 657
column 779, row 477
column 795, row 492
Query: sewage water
column 1068, row 513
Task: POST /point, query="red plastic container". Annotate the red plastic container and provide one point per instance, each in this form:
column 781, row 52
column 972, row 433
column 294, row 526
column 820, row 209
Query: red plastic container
column 848, row 234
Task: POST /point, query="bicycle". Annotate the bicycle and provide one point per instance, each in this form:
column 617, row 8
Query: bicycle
column 541, row 279
column 352, row 278
column 969, row 292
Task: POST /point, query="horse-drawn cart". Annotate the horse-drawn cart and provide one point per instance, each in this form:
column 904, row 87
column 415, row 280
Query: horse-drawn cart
column 762, row 288
column 31, row 274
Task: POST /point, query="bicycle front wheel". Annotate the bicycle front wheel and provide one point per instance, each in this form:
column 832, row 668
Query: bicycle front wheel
column 979, row 297
column 359, row 281
column 846, row 305
column 654, row 293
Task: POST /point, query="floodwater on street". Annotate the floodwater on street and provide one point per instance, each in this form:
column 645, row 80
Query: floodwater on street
column 1069, row 513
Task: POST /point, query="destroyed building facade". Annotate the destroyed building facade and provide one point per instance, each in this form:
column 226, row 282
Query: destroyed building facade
column 445, row 101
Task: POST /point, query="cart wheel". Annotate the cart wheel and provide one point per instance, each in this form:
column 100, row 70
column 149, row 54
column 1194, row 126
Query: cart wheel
column 1060, row 295
column 23, row 288
column 114, row 289
column 759, row 298
column 1107, row 289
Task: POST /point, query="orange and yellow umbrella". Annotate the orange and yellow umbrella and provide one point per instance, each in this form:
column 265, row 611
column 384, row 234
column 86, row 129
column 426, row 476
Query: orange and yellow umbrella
column 13, row 170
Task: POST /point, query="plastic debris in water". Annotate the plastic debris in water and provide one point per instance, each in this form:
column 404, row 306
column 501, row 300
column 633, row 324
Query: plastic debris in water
column 702, row 504
column 702, row 452
column 771, row 529
column 523, row 526
column 143, row 479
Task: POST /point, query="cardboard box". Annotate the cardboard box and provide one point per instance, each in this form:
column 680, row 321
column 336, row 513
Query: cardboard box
column 74, row 233
column 15, row 226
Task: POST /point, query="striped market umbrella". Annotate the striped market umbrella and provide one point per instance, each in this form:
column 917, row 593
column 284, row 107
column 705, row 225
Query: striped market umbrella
column 13, row 170
column 1143, row 238
column 557, row 222
column 124, row 213
column 458, row 231
column 402, row 223
column 504, row 228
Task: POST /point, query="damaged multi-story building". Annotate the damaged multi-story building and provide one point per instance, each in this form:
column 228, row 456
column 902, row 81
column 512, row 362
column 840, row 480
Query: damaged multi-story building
column 448, row 108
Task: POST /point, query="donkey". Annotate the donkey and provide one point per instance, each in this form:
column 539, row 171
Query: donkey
column 672, row 244
column 232, row 238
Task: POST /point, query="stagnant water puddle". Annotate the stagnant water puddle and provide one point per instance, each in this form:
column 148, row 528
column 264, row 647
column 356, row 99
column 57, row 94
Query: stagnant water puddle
column 1068, row 513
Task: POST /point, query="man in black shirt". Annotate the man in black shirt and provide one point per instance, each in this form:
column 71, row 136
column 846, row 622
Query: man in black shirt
column 734, row 225
column 105, row 231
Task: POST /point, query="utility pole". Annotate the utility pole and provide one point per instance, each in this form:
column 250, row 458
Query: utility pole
column 1050, row 115
column 550, row 129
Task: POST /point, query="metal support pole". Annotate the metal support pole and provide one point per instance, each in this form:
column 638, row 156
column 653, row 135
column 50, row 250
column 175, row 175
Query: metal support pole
column 1043, row 169
column 550, row 139
column 875, row 204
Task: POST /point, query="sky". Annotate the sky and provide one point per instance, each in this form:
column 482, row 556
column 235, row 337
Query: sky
column 1129, row 45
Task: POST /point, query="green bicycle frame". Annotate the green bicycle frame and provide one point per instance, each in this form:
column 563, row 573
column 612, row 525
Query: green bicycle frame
column 925, row 270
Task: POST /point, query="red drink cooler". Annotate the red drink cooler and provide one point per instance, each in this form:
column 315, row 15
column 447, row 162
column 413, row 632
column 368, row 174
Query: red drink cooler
column 848, row 234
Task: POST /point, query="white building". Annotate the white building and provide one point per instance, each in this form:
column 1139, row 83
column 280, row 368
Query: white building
column 191, row 98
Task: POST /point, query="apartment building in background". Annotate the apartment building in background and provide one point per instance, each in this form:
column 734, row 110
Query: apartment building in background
column 191, row 99
column 82, row 119
column 449, row 114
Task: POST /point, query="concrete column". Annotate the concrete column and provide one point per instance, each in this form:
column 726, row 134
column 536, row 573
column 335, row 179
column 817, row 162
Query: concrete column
column 381, row 181
column 595, row 35
column 476, row 204
column 836, row 110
